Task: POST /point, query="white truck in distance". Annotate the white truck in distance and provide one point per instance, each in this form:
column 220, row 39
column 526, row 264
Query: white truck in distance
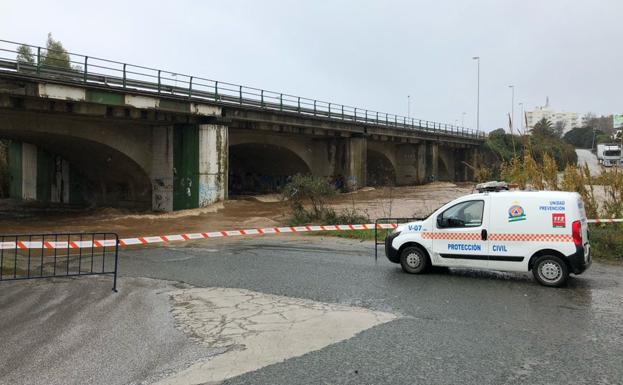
column 609, row 155
column 542, row 231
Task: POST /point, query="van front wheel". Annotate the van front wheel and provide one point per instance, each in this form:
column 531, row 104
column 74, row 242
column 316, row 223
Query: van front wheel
column 413, row 260
column 550, row 270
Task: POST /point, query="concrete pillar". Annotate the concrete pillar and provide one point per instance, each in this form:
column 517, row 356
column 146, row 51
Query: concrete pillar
column 406, row 164
column 213, row 163
column 162, row 168
column 449, row 158
column 432, row 168
column 421, row 163
column 60, row 183
column 341, row 157
column 357, row 153
column 29, row 171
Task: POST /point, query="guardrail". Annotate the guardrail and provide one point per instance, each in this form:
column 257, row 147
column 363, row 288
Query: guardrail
column 76, row 68
column 34, row 256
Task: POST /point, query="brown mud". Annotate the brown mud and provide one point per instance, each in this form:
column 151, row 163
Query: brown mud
column 240, row 213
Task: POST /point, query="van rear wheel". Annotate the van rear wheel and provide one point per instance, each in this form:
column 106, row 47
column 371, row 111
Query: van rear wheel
column 550, row 270
column 413, row 260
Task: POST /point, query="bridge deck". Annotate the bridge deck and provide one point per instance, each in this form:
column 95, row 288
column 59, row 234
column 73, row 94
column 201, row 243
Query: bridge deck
column 90, row 71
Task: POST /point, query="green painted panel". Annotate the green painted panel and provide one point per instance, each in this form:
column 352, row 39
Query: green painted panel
column 105, row 97
column 15, row 170
column 186, row 167
column 76, row 186
column 45, row 175
column 174, row 105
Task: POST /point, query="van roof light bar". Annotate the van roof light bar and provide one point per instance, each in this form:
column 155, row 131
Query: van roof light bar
column 492, row 186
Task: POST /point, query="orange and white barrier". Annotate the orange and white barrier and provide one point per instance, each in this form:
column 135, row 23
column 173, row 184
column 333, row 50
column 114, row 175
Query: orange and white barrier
column 18, row 244
column 185, row 237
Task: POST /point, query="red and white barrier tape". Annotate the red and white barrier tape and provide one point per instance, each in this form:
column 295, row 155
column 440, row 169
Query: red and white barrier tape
column 600, row 221
column 186, row 237
column 215, row 234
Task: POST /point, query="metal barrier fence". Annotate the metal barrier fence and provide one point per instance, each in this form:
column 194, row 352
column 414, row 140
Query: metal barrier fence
column 76, row 68
column 384, row 232
column 34, row 256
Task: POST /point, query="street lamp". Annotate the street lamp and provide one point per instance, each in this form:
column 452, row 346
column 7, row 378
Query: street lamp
column 463, row 119
column 512, row 87
column 521, row 118
column 477, row 58
column 409, row 106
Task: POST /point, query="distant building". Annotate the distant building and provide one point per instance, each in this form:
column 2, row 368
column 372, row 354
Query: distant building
column 569, row 119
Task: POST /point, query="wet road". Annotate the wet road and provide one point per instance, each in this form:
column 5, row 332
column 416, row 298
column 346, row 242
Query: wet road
column 454, row 327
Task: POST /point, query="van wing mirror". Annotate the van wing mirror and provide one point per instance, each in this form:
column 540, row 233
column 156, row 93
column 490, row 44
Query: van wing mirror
column 441, row 222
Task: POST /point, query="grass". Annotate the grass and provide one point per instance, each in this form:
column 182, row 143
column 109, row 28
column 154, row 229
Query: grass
column 361, row 235
column 7, row 272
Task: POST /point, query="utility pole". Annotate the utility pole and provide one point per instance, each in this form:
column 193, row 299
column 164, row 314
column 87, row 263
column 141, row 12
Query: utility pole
column 512, row 87
column 522, row 118
column 477, row 58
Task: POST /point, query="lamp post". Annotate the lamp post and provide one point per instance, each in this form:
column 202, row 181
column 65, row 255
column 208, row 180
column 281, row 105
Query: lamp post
column 409, row 106
column 522, row 117
column 512, row 87
column 477, row 58
column 463, row 119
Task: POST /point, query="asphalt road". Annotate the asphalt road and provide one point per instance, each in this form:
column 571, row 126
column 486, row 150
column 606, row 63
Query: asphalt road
column 456, row 327
column 587, row 157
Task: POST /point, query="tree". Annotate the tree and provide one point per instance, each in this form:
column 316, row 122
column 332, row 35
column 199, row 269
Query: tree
column 55, row 55
column 601, row 123
column 543, row 128
column 25, row 55
column 581, row 137
column 559, row 128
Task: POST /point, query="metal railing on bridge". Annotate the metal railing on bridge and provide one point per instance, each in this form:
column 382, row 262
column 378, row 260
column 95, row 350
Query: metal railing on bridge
column 34, row 256
column 37, row 61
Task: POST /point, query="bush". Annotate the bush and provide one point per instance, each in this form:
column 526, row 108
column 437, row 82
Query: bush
column 307, row 188
column 313, row 190
column 607, row 241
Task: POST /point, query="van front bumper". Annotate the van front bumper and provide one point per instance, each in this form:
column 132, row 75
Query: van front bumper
column 578, row 262
column 390, row 252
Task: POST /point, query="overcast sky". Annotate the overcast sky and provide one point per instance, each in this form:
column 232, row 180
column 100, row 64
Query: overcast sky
column 369, row 54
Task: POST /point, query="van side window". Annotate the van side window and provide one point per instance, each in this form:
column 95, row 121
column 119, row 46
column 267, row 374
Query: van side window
column 464, row 214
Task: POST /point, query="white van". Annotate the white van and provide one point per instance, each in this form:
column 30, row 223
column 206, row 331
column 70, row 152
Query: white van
column 542, row 231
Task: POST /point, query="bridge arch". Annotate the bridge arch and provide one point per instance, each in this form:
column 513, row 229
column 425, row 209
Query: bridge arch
column 262, row 167
column 98, row 167
column 381, row 171
column 445, row 165
column 381, row 163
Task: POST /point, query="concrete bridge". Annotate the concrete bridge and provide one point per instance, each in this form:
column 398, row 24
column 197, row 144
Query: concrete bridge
column 113, row 134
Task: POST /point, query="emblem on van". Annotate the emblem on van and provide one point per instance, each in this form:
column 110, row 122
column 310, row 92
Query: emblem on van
column 516, row 213
column 558, row 220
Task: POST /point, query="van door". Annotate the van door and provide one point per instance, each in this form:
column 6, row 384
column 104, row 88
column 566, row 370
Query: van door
column 460, row 234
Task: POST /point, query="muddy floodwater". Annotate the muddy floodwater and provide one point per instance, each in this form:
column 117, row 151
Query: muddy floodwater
column 242, row 212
